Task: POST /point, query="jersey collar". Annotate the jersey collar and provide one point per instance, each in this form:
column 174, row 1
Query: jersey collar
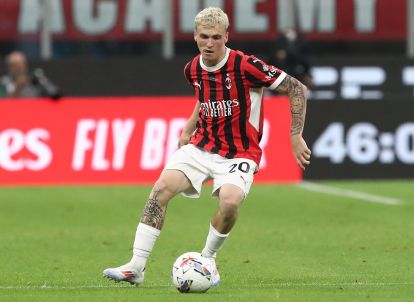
column 218, row 66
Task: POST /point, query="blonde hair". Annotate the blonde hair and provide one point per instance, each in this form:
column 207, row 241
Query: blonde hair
column 211, row 17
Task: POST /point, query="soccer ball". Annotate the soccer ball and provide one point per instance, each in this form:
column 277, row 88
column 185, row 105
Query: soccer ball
column 191, row 273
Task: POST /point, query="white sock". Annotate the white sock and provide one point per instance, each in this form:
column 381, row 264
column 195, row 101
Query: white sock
column 214, row 243
column 145, row 238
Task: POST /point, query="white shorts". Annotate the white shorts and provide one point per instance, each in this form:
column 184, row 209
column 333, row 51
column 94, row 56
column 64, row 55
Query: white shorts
column 200, row 165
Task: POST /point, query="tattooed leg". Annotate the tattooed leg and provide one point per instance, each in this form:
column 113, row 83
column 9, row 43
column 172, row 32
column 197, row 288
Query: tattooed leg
column 153, row 214
column 170, row 183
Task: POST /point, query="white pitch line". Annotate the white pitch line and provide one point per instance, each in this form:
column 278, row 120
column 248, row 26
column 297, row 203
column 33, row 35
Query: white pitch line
column 349, row 193
column 63, row 287
column 335, row 284
column 273, row 285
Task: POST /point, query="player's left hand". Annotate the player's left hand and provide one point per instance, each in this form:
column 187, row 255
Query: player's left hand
column 300, row 150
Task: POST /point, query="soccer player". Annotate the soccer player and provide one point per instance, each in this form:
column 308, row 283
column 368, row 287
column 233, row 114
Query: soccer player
column 220, row 140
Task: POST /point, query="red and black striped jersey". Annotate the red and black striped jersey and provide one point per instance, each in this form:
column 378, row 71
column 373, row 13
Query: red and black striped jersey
column 231, row 103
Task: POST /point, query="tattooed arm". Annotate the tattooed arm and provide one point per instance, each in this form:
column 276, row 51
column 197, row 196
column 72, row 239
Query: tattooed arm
column 297, row 98
column 189, row 127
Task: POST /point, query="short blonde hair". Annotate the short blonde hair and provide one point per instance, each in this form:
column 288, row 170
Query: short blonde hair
column 210, row 17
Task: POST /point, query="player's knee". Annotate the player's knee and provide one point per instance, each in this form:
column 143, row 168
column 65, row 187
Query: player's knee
column 163, row 191
column 230, row 202
column 231, row 194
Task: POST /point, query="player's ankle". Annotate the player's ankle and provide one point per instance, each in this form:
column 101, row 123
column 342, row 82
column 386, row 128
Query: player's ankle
column 137, row 263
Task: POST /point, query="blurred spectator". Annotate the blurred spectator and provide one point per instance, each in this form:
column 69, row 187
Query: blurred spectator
column 290, row 53
column 19, row 82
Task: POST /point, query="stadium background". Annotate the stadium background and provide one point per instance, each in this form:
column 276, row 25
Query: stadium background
column 125, row 99
column 358, row 111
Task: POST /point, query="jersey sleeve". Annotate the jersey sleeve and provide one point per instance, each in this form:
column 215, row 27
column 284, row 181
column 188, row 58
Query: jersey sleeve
column 260, row 74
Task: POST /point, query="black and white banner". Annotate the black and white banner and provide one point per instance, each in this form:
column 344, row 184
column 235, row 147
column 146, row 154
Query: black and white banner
column 375, row 78
column 361, row 139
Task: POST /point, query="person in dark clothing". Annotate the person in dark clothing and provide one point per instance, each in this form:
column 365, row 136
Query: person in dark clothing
column 19, row 82
column 290, row 53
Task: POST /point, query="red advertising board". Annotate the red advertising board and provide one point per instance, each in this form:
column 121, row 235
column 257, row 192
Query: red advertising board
column 115, row 140
column 249, row 19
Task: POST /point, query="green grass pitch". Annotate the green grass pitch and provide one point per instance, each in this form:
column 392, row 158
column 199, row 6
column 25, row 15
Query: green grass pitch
column 289, row 244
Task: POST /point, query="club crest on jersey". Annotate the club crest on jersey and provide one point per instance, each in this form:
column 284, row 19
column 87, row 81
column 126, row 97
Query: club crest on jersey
column 228, row 82
column 197, row 84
